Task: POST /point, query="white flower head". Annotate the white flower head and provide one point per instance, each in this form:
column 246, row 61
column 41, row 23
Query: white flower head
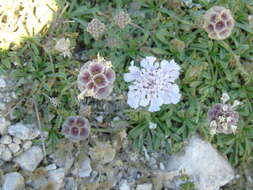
column 152, row 125
column 63, row 46
column 153, row 84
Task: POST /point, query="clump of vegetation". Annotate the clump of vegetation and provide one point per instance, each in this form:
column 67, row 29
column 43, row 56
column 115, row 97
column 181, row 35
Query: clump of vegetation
column 207, row 68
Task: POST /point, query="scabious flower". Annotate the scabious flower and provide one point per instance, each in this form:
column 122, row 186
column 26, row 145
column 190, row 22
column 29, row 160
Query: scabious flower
column 96, row 79
column 222, row 117
column 76, row 128
column 122, row 19
column 96, row 28
column 63, row 46
column 153, row 84
column 218, row 23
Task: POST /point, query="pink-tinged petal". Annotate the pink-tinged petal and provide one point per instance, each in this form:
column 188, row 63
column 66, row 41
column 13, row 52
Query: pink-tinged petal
column 91, row 85
column 74, row 131
column 220, row 25
column 85, row 77
column 80, row 122
column 96, row 68
column 104, row 92
column 213, row 18
column 100, row 80
column 71, row 121
column 224, row 33
column 224, row 16
column 110, row 75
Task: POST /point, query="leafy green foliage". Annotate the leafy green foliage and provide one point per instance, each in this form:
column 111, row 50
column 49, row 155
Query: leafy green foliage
column 208, row 68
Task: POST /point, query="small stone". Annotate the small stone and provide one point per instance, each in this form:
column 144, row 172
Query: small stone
column 124, row 185
column 6, row 140
column 51, row 167
column 16, row 140
column 57, row 177
column 3, row 125
column 70, row 184
column 24, row 132
column 2, row 147
column 85, row 169
column 99, row 118
column 14, row 147
column 6, row 154
column 2, row 82
column 27, row 145
column 145, row 186
column 30, row 159
column 13, row 181
column 103, row 152
column 203, row 164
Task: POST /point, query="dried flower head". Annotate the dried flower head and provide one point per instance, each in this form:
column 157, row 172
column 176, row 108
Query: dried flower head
column 223, row 117
column 63, row 46
column 218, row 23
column 96, row 28
column 54, row 101
column 76, row 128
column 96, row 79
column 122, row 19
column 153, row 84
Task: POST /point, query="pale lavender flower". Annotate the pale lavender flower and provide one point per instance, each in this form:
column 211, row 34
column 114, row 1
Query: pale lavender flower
column 153, row 84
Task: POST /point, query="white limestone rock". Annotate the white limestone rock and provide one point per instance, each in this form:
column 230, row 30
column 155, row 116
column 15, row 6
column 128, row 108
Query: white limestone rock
column 70, row 184
column 6, row 139
column 24, row 132
column 124, row 185
column 145, row 186
column 2, row 82
column 16, row 140
column 85, row 169
column 5, row 153
column 30, row 159
column 57, row 177
column 14, row 147
column 13, row 181
column 27, row 145
column 203, row 164
column 3, row 125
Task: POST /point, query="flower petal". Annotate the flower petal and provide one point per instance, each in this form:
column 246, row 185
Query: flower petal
column 133, row 99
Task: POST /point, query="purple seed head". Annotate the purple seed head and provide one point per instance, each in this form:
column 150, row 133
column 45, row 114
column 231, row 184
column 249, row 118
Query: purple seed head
column 76, row 128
